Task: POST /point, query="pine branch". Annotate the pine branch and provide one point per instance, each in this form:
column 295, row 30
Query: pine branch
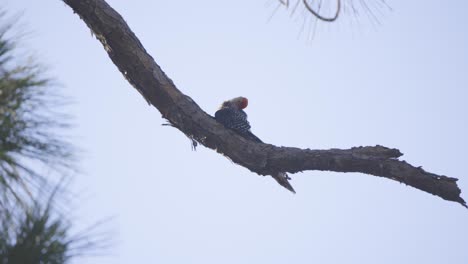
column 140, row 69
column 30, row 122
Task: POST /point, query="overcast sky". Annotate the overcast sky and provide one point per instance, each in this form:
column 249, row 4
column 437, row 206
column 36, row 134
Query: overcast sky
column 402, row 84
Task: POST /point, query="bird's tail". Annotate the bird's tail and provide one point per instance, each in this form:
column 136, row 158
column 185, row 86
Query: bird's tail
column 283, row 179
column 250, row 136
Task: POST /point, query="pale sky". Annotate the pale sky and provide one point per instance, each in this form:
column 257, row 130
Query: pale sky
column 402, row 84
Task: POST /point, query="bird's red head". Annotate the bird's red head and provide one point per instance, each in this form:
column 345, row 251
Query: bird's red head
column 243, row 102
column 238, row 102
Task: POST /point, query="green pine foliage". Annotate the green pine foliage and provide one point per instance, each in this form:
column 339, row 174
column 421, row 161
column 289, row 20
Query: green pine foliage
column 28, row 126
column 31, row 229
column 34, row 235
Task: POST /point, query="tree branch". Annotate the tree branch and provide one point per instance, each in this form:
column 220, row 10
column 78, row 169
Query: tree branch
column 140, row 69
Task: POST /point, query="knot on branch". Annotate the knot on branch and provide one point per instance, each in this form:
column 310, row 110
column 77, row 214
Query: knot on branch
column 376, row 152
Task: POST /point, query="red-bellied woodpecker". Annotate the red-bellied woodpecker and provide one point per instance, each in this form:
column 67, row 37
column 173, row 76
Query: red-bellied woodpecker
column 232, row 116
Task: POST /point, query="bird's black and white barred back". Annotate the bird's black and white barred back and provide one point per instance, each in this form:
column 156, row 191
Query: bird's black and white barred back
column 233, row 118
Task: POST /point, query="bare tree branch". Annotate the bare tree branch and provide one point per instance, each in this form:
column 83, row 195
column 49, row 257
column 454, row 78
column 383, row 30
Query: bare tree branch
column 318, row 16
column 140, row 69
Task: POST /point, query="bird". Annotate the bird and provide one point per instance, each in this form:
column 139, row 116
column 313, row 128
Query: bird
column 231, row 115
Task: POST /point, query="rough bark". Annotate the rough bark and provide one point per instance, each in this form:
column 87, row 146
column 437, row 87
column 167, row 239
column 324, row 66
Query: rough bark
column 140, row 69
